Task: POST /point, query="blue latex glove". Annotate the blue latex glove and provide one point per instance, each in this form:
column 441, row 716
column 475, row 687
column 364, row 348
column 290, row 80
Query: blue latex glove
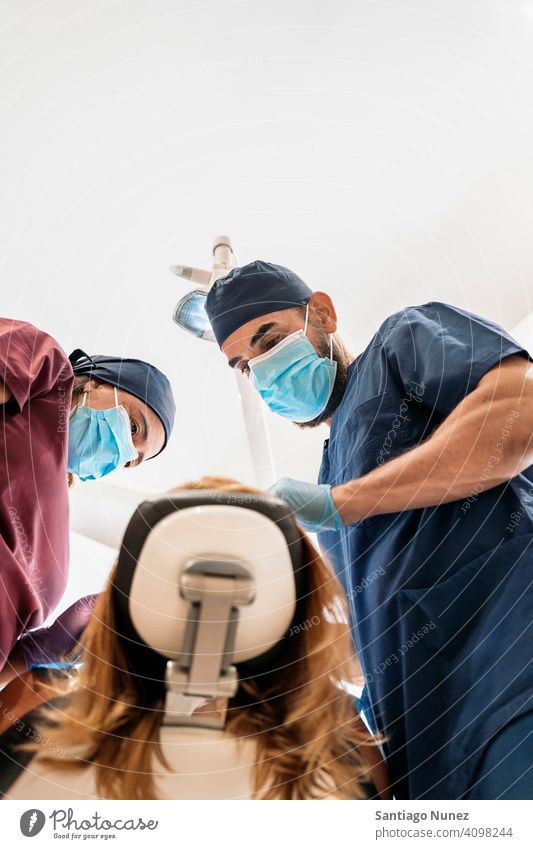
column 48, row 645
column 311, row 503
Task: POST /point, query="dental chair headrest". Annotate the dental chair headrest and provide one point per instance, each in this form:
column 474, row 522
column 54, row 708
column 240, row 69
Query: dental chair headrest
column 177, row 540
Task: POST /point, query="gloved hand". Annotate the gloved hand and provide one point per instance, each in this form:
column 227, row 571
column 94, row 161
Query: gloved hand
column 47, row 645
column 311, row 503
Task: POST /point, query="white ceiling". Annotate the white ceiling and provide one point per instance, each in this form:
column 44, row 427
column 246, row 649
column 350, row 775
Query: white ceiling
column 383, row 150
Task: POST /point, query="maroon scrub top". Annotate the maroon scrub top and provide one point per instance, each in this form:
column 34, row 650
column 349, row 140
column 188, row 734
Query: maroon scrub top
column 34, row 504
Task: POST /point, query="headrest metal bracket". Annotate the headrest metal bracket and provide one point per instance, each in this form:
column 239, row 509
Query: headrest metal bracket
column 204, row 672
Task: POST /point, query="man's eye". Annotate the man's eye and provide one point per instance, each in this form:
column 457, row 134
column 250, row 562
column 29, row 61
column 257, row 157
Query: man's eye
column 134, row 428
column 270, row 343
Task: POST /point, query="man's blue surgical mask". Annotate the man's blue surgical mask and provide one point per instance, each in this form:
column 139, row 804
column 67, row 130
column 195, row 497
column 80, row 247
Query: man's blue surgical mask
column 99, row 441
column 292, row 379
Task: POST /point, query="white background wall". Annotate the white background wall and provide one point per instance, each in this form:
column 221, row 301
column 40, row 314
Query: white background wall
column 380, row 149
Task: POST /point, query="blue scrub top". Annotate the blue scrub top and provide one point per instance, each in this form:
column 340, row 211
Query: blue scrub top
column 440, row 598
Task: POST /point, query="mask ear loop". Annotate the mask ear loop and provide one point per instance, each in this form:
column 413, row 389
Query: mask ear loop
column 116, row 396
column 80, row 403
column 330, row 335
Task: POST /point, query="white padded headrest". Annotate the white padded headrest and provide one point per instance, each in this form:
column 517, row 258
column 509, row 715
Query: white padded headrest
column 223, row 533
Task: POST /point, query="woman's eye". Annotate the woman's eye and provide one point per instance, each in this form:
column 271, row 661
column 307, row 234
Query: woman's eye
column 246, row 371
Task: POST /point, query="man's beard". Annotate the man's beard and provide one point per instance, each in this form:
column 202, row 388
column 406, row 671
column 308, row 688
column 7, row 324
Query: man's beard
column 341, row 377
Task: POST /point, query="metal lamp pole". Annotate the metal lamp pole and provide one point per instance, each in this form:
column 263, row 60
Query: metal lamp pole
column 252, row 408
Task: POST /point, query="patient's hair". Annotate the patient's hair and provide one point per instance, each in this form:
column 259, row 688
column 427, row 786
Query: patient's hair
column 309, row 740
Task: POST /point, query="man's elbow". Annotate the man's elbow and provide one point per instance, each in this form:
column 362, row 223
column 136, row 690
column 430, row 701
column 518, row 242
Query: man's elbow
column 513, row 443
column 521, row 451
column 519, row 426
column 506, row 394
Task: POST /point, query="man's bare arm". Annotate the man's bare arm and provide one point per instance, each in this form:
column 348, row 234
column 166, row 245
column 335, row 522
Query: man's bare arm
column 486, row 440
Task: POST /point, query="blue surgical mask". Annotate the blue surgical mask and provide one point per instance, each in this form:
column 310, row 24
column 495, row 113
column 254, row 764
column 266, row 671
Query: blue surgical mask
column 292, row 379
column 99, row 441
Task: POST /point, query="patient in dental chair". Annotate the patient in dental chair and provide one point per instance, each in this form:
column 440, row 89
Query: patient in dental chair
column 289, row 731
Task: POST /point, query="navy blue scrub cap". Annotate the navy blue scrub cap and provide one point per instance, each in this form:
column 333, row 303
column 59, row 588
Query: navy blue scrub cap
column 137, row 377
column 252, row 291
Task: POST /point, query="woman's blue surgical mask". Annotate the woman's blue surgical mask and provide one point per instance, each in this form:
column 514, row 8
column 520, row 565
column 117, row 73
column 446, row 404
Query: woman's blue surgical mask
column 99, row 441
column 292, row 379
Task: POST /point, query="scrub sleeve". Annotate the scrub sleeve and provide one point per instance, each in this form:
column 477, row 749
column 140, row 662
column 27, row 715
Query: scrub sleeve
column 34, row 505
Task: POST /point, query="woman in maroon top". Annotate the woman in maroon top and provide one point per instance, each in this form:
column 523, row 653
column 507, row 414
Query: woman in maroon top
column 60, row 416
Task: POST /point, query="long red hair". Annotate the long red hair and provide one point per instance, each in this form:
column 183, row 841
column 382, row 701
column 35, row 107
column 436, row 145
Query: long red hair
column 309, row 740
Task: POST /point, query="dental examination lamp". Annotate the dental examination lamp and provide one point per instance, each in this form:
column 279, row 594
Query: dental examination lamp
column 190, row 312
column 190, row 315
column 207, row 589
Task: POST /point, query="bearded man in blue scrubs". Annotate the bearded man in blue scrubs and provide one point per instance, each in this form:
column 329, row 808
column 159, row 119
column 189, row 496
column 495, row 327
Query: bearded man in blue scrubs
column 424, row 505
